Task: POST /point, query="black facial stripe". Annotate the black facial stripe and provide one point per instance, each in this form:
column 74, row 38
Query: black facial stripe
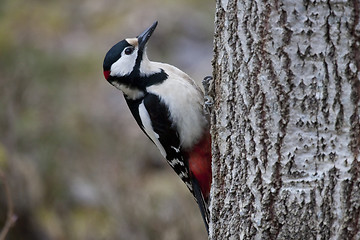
column 154, row 79
column 138, row 60
column 167, row 132
column 135, row 81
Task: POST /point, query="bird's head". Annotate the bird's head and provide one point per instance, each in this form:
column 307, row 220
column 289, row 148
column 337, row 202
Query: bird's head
column 126, row 57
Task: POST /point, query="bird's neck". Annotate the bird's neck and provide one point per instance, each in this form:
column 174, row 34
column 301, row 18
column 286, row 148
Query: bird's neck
column 134, row 86
column 147, row 67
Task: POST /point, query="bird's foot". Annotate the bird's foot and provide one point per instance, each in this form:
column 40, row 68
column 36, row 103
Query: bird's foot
column 208, row 100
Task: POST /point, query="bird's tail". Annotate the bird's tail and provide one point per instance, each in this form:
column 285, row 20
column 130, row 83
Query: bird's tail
column 201, row 202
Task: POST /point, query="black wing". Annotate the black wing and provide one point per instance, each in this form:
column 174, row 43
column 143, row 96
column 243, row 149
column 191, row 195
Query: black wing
column 166, row 132
column 168, row 137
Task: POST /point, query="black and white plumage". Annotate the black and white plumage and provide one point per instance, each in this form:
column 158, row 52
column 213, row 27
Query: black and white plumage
column 168, row 106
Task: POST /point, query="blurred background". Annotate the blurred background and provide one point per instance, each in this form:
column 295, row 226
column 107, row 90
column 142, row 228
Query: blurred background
column 76, row 163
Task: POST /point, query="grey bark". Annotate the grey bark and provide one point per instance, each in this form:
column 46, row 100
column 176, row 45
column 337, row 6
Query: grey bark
column 286, row 120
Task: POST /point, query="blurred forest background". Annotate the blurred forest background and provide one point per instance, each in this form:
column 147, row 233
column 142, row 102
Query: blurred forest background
column 77, row 165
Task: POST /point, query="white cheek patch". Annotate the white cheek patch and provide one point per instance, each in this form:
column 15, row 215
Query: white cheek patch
column 125, row 65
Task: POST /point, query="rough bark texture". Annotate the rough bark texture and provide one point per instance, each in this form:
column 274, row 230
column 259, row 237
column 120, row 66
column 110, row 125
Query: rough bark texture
column 285, row 124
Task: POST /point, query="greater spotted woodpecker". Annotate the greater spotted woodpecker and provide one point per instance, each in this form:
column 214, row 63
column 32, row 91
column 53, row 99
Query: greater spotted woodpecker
column 168, row 106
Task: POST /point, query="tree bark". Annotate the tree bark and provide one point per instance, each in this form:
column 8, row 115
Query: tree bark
column 286, row 120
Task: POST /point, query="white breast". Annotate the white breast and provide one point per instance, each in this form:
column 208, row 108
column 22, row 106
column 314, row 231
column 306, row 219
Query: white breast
column 185, row 101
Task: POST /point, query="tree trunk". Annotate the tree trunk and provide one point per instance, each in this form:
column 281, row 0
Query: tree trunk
column 285, row 122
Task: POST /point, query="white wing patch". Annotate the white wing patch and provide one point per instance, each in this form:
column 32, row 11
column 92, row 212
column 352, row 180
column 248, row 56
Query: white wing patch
column 146, row 122
column 175, row 161
column 176, row 149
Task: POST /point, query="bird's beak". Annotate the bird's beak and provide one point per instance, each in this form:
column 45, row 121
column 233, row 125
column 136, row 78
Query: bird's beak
column 145, row 36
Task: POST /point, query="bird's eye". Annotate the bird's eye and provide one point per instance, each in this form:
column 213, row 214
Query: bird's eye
column 129, row 50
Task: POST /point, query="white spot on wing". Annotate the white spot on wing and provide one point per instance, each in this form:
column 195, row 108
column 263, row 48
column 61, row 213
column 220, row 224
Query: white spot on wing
column 176, row 149
column 189, row 186
column 176, row 161
column 183, row 175
column 145, row 119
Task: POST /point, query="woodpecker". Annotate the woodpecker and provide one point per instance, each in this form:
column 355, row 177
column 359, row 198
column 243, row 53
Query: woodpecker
column 168, row 106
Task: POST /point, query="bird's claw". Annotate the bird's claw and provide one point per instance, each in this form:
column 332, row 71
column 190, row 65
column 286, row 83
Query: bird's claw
column 208, row 100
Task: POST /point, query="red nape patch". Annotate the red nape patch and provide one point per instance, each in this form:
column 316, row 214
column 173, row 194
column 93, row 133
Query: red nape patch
column 106, row 74
column 200, row 164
